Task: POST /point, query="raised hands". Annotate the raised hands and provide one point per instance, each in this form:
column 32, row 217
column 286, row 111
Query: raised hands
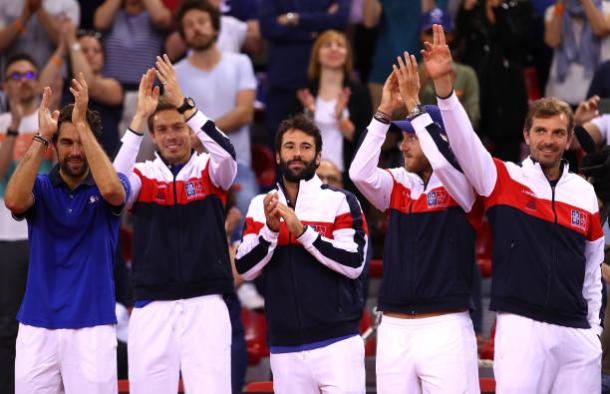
column 390, row 96
column 148, row 95
column 167, row 75
column 80, row 91
column 408, row 80
column 47, row 122
column 342, row 101
column 293, row 223
column 438, row 62
column 307, row 100
column 586, row 110
column 272, row 214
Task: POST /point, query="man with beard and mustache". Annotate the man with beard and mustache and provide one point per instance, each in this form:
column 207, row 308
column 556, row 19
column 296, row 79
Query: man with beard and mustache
column 17, row 127
column 309, row 240
column 221, row 82
column 181, row 269
column 547, row 245
column 67, row 338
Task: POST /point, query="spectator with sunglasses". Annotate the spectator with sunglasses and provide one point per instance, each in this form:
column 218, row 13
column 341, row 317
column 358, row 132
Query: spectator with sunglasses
column 32, row 26
column 17, row 129
column 84, row 53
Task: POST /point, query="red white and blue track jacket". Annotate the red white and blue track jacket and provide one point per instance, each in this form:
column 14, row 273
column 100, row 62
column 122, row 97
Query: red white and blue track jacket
column 312, row 290
column 429, row 255
column 547, row 241
column 179, row 244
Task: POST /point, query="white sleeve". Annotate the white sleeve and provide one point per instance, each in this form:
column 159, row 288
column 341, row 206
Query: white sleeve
column 257, row 245
column 592, row 286
column 223, row 166
column 125, row 161
column 437, row 151
column 345, row 253
column 373, row 182
column 475, row 160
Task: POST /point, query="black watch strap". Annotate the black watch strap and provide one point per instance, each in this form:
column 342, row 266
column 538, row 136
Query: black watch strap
column 187, row 104
column 12, row 133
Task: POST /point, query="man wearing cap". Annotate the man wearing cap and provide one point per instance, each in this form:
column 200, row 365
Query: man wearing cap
column 465, row 78
column 426, row 338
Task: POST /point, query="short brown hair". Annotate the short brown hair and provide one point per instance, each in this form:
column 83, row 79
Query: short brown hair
column 302, row 123
column 163, row 105
column 548, row 107
column 313, row 70
column 200, row 5
column 93, row 119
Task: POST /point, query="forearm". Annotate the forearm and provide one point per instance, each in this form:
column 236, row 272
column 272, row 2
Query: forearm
column 552, row 29
column 474, row 159
column 6, row 154
column 223, row 166
column 374, row 183
column 52, row 69
column 103, row 173
column 160, row 15
column 105, row 14
column 49, row 23
column 10, row 32
column 597, row 21
column 18, row 195
column 340, row 255
column 254, row 252
column 371, row 12
column 235, row 119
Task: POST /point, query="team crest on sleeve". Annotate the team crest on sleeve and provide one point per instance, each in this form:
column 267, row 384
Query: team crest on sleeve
column 579, row 219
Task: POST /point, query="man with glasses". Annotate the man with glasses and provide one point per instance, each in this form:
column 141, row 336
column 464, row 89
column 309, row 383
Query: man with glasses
column 17, row 128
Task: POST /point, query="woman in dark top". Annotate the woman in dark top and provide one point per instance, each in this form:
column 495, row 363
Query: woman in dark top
column 340, row 106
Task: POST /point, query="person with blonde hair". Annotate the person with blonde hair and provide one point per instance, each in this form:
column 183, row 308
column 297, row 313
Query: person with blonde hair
column 339, row 105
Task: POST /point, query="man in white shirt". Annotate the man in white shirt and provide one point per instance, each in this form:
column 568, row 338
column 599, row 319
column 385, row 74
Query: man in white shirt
column 223, row 84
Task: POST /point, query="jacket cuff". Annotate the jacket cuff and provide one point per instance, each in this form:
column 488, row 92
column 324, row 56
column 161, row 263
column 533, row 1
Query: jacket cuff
column 421, row 122
column 377, row 128
column 132, row 139
column 197, row 121
column 449, row 102
column 269, row 235
column 308, row 237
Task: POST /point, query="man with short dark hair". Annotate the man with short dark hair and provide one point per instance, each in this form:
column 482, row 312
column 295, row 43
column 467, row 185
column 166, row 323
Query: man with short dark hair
column 547, row 245
column 67, row 336
column 17, row 128
column 181, row 267
column 309, row 240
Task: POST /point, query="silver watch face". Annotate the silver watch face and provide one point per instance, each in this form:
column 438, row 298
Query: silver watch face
column 190, row 102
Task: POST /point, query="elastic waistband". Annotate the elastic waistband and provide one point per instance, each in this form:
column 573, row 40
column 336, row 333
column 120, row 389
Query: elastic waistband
column 424, row 321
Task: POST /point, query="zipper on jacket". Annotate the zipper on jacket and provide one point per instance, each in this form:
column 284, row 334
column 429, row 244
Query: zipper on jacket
column 293, row 279
column 552, row 263
column 179, row 233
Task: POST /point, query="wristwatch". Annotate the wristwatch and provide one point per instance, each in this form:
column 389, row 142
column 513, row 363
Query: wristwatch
column 416, row 111
column 187, row 104
column 290, row 17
